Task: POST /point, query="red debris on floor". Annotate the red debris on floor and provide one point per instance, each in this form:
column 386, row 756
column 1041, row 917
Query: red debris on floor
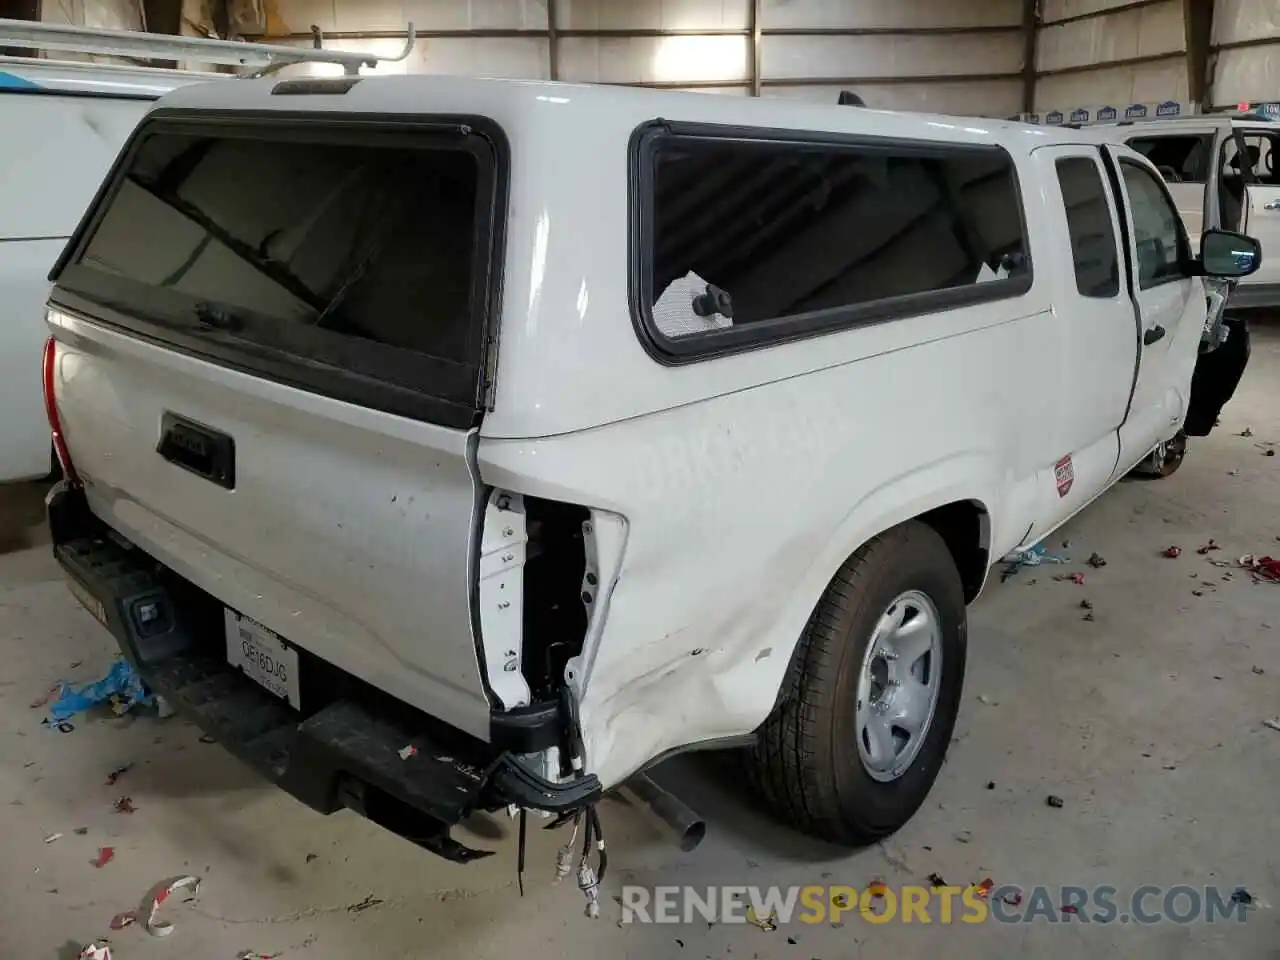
column 1264, row 569
column 1173, row 553
column 105, row 855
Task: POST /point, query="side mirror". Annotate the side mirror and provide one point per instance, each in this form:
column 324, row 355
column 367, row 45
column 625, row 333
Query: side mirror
column 1228, row 255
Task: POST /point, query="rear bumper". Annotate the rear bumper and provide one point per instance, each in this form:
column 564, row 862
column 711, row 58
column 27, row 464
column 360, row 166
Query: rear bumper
column 342, row 751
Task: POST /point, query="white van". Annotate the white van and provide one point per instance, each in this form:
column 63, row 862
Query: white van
column 65, row 123
column 1222, row 172
column 443, row 444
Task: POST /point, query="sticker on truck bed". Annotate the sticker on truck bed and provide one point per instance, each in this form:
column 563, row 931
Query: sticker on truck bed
column 1064, row 473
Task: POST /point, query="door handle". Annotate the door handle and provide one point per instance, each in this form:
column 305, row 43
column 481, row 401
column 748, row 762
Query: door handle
column 1154, row 335
column 1271, row 205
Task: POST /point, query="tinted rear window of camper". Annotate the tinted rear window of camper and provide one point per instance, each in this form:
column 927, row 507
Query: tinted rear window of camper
column 368, row 251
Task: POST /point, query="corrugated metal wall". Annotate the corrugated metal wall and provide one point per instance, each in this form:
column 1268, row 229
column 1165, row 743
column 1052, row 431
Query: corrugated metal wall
column 896, row 53
column 1134, row 53
column 1246, row 42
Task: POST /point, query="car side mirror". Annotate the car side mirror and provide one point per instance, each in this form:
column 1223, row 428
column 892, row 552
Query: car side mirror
column 1228, row 255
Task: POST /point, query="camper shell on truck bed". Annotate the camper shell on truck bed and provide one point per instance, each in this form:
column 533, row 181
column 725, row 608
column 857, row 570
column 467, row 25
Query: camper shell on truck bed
column 443, row 444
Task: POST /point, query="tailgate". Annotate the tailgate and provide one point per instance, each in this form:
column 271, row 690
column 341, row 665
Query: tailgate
column 270, row 372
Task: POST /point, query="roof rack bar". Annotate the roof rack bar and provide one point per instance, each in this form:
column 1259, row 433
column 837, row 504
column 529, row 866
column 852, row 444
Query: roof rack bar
column 259, row 58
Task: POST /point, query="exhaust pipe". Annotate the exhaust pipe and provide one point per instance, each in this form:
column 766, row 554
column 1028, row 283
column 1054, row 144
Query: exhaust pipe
column 665, row 812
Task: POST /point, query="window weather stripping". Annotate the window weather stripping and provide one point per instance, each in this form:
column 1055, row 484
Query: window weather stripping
column 255, row 59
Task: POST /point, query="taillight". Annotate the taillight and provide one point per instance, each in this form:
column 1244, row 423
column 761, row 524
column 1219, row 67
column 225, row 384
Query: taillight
column 51, row 411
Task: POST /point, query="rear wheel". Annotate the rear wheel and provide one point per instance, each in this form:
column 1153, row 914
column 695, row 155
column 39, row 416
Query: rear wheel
column 865, row 717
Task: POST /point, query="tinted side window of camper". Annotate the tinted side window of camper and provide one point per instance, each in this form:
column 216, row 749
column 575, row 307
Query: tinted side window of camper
column 747, row 241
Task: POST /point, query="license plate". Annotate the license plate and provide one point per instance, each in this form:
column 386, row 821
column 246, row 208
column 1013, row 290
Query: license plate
column 263, row 656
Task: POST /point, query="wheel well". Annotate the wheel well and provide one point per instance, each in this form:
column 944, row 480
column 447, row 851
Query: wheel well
column 965, row 528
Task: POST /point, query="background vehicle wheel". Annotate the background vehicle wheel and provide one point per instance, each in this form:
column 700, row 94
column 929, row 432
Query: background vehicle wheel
column 1164, row 460
column 871, row 695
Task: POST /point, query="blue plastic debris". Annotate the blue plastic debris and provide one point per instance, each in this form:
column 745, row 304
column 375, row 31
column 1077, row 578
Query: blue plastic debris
column 1031, row 557
column 121, row 681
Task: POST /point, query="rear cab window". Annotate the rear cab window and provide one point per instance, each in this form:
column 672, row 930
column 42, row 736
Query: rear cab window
column 352, row 259
column 1094, row 253
column 747, row 238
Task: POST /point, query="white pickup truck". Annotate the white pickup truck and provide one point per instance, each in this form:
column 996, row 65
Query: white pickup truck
column 442, row 444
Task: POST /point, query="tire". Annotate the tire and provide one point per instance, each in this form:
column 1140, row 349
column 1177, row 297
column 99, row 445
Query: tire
column 1164, row 460
column 806, row 763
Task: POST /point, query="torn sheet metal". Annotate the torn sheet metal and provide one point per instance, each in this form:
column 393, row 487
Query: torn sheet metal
column 95, row 951
column 161, row 928
column 159, row 894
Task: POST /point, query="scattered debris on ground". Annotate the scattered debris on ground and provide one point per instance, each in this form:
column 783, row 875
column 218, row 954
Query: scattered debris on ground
column 1070, row 908
column 936, row 880
column 124, row 805
column 407, row 751
column 1258, row 670
column 363, row 905
column 984, row 699
column 1054, row 801
column 1246, row 432
column 964, row 836
column 768, row 924
column 984, row 888
column 105, row 856
column 1076, row 578
column 991, row 784
column 95, row 951
column 121, row 687
column 1273, row 723
column 1086, row 604
column 118, row 772
column 1208, row 547
column 255, row 955
column 1031, row 557
column 1012, row 899
column 1173, row 553
column 1096, row 560
column 1241, row 895
column 1263, row 569
column 80, row 831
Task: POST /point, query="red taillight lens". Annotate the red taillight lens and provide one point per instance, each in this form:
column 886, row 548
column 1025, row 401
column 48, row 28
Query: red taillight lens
column 51, row 410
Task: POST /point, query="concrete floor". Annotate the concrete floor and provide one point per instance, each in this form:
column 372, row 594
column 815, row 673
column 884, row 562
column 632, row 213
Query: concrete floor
column 1146, row 721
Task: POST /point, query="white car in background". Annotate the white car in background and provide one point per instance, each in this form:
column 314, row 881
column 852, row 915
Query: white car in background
column 1222, row 172
column 72, row 119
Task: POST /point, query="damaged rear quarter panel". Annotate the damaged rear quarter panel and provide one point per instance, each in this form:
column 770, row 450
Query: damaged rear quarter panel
column 739, row 510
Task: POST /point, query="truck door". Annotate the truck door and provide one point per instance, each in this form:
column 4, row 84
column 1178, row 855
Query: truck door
column 1097, row 332
column 1185, row 157
column 1257, row 166
column 1169, row 304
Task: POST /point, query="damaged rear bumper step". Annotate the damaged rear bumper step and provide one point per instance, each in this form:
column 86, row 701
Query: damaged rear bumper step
column 345, row 754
